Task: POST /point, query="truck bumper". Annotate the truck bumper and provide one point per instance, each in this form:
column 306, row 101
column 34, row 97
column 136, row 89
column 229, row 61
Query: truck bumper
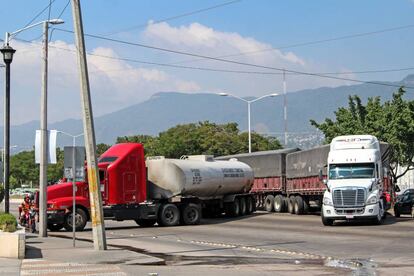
column 55, row 216
column 359, row 213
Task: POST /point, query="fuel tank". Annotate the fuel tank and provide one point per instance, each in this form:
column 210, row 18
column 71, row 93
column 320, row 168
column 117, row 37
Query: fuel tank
column 197, row 175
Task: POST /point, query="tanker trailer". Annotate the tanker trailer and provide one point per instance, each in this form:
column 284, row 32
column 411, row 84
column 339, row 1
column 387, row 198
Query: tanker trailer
column 201, row 182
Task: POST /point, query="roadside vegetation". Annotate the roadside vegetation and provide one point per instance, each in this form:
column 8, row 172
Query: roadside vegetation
column 391, row 121
column 8, row 222
column 186, row 139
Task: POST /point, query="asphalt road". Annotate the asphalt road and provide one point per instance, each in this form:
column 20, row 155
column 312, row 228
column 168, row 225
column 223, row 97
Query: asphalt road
column 265, row 243
column 266, row 240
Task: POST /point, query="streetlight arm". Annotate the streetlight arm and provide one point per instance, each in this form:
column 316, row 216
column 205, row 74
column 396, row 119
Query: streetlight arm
column 70, row 135
column 13, row 34
column 237, row 97
column 262, row 97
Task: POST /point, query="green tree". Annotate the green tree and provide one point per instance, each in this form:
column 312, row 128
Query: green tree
column 391, row 122
column 149, row 142
column 101, row 148
column 201, row 138
column 24, row 170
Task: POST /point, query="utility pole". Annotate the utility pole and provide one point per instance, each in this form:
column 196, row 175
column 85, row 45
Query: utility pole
column 43, row 139
column 285, row 107
column 98, row 226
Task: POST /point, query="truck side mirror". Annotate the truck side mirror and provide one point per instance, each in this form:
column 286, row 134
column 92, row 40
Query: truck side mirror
column 320, row 175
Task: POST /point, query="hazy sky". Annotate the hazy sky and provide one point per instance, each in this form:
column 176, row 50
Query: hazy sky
column 247, row 26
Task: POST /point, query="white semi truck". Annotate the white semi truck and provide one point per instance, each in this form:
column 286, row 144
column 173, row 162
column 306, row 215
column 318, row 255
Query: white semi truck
column 354, row 184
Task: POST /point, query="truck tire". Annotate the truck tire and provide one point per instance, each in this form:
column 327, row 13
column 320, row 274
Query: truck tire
column 291, row 204
column 145, row 222
column 233, row 208
column 249, row 205
column 80, row 220
column 243, row 206
column 396, row 212
column 53, row 227
column 326, row 221
column 298, row 205
column 191, row 214
column 169, row 215
column 380, row 217
column 305, row 207
column 268, row 204
column 279, row 204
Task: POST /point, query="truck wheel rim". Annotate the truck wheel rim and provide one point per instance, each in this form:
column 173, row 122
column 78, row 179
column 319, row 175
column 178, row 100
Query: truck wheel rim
column 192, row 215
column 169, row 215
column 78, row 220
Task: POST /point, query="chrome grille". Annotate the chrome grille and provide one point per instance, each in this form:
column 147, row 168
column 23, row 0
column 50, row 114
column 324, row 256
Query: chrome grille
column 350, row 197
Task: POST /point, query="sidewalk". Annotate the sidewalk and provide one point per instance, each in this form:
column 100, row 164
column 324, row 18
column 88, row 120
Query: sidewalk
column 57, row 256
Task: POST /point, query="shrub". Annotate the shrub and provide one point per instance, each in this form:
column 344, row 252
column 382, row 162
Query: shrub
column 8, row 223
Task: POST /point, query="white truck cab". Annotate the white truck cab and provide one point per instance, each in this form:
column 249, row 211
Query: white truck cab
column 354, row 180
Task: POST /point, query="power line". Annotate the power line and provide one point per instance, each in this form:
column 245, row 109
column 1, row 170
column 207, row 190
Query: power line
column 175, row 17
column 225, row 70
column 40, row 13
column 59, row 16
column 232, row 61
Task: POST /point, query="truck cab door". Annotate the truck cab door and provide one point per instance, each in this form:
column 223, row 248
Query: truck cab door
column 103, row 184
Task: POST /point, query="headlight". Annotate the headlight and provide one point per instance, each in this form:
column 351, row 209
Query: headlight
column 372, row 200
column 327, row 201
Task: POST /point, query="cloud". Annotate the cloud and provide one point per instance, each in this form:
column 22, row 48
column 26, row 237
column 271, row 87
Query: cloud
column 114, row 83
column 216, row 43
column 204, row 40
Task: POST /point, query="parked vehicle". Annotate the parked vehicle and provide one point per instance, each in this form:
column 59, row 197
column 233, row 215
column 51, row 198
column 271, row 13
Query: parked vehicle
column 404, row 204
column 355, row 185
column 166, row 191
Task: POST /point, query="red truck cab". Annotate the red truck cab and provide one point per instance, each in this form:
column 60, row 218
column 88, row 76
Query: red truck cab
column 123, row 188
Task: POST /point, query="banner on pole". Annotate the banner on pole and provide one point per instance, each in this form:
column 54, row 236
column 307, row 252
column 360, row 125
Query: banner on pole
column 51, row 149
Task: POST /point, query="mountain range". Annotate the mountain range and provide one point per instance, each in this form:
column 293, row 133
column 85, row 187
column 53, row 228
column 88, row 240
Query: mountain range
column 167, row 109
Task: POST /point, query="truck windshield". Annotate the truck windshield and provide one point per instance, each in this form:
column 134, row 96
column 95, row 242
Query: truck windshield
column 344, row 171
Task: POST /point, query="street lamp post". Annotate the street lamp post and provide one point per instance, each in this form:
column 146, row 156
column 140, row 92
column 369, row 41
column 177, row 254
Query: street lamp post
column 73, row 182
column 248, row 110
column 7, row 52
column 43, row 119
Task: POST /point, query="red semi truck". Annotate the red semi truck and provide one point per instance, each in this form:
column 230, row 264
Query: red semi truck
column 166, row 191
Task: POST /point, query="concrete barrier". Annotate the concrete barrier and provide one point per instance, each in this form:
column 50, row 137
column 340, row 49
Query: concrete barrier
column 13, row 245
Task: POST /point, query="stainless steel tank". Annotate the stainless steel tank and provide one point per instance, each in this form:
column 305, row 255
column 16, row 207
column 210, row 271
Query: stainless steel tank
column 199, row 176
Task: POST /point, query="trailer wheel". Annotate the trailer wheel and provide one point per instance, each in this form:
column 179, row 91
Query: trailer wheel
column 305, row 206
column 243, row 206
column 145, row 222
column 269, row 203
column 233, row 208
column 291, row 203
column 279, row 204
column 80, row 220
column 191, row 214
column 249, row 205
column 54, row 227
column 298, row 205
column 169, row 215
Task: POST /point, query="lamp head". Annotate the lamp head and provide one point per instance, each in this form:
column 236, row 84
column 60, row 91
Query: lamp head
column 7, row 52
column 222, row 94
column 56, row 21
column 274, row 95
